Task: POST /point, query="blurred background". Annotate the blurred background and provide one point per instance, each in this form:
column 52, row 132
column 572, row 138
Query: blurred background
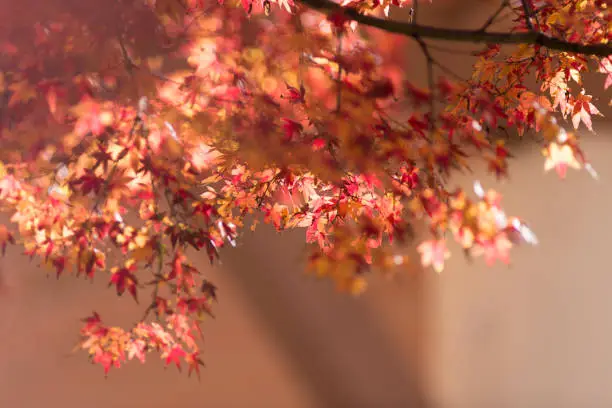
column 535, row 334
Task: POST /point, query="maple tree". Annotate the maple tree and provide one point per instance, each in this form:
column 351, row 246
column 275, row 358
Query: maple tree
column 136, row 131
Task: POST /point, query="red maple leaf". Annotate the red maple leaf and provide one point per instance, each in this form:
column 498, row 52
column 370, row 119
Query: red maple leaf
column 174, row 355
column 295, row 95
column 291, row 129
column 124, row 279
column 194, row 362
column 106, row 360
column 91, row 322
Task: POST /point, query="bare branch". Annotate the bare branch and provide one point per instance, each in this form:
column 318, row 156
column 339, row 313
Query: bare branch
column 527, row 12
column 430, row 80
column 491, row 19
column 339, row 75
column 472, row 36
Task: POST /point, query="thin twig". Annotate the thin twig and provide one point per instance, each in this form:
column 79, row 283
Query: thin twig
column 527, row 12
column 447, row 70
column 339, row 77
column 494, row 16
column 430, row 81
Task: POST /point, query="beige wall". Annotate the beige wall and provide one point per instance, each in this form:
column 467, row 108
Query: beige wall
column 536, row 334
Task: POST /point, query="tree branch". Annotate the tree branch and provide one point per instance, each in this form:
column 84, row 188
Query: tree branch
column 430, row 80
column 527, row 13
column 472, row 36
column 339, row 75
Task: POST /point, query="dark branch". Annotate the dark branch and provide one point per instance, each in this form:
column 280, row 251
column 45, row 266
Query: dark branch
column 527, row 13
column 430, row 80
column 472, row 36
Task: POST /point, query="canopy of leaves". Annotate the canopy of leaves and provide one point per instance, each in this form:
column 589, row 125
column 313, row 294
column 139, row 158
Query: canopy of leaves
column 135, row 131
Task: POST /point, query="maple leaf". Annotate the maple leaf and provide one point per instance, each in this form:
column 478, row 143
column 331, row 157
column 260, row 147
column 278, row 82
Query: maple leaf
column 605, row 67
column 526, row 101
column 558, row 90
column 91, row 118
column 209, row 289
column 137, row 348
column 296, row 95
column 123, row 279
column 560, row 158
column 106, row 360
column 6, row 238
column 291, row 129
column 583, row 110
column 91, row 322
column 204, row 156
column 174, row 355
column 434, row 253
column 494, row 249
column 59, row 264
column 9, row 187
column 194, row 362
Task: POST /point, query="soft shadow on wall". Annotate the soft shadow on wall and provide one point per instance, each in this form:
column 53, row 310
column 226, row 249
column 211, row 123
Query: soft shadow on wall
column 280, row 339
column 537, row 333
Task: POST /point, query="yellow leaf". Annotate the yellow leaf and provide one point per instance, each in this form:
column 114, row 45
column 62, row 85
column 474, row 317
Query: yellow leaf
column 555, row 18
column 524, row 51
column 141, row 240
column 575, row 75
column 484, row 69
column 142, row 253
column 291, row 78
column 23, row 92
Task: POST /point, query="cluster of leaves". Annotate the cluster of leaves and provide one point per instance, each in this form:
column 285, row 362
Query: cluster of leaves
column 163, row 130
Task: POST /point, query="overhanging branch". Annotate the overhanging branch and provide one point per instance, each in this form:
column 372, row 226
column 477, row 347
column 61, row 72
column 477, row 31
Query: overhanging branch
column 471, row 36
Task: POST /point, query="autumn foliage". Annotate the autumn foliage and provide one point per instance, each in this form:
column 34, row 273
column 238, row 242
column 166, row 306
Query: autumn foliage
column 136, row 131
